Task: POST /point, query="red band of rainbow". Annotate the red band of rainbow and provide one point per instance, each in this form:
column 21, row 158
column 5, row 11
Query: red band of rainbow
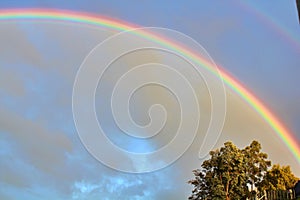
column 39, row 14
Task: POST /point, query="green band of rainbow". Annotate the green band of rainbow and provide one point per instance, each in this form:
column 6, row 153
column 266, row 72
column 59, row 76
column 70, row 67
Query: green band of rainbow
column 39, row 14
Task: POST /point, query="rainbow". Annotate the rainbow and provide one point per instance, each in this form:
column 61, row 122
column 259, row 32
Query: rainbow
column 85, row 18
column 282, row 31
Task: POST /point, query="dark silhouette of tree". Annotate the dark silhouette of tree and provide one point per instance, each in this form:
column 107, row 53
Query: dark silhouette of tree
column 297, row 189
column 298, row 8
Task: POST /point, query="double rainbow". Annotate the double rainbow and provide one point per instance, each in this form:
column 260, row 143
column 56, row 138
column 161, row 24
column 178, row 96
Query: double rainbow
column 39, row 14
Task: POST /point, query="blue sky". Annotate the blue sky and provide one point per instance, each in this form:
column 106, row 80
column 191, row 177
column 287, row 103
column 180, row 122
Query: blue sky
column 41, row 154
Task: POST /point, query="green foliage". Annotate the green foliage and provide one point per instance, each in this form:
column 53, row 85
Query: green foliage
column 229, row 171
column 256, row 162
column 279, row 178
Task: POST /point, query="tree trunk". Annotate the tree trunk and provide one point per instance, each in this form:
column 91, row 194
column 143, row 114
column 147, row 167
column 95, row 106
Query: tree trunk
column 227, row 191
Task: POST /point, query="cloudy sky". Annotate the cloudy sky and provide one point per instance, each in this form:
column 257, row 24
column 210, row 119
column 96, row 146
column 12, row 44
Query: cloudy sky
column 41, row 155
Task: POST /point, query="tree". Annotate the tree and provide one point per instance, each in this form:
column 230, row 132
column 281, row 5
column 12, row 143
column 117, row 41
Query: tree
column 257, row 163
column 279, row 178
column 228, row 172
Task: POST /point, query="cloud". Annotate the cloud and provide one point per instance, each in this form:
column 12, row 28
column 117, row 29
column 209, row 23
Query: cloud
column 41, row 153
column 44, row 148
column 123, row 186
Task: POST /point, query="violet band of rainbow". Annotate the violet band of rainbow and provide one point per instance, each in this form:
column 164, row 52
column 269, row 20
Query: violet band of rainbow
column 281, row 131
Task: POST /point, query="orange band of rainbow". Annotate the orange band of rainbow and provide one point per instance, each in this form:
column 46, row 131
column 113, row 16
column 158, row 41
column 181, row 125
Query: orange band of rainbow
column 39, row 14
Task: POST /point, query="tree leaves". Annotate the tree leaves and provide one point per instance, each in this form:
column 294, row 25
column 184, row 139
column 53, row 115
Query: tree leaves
column 229, row 171
column 279, row 178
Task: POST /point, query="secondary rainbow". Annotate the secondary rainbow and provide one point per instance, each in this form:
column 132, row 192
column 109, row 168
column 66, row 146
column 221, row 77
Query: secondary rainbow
column 281, row 30
column 62, row 15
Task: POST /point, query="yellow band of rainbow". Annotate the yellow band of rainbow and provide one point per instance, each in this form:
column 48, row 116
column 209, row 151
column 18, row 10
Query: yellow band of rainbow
column 61, row 15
